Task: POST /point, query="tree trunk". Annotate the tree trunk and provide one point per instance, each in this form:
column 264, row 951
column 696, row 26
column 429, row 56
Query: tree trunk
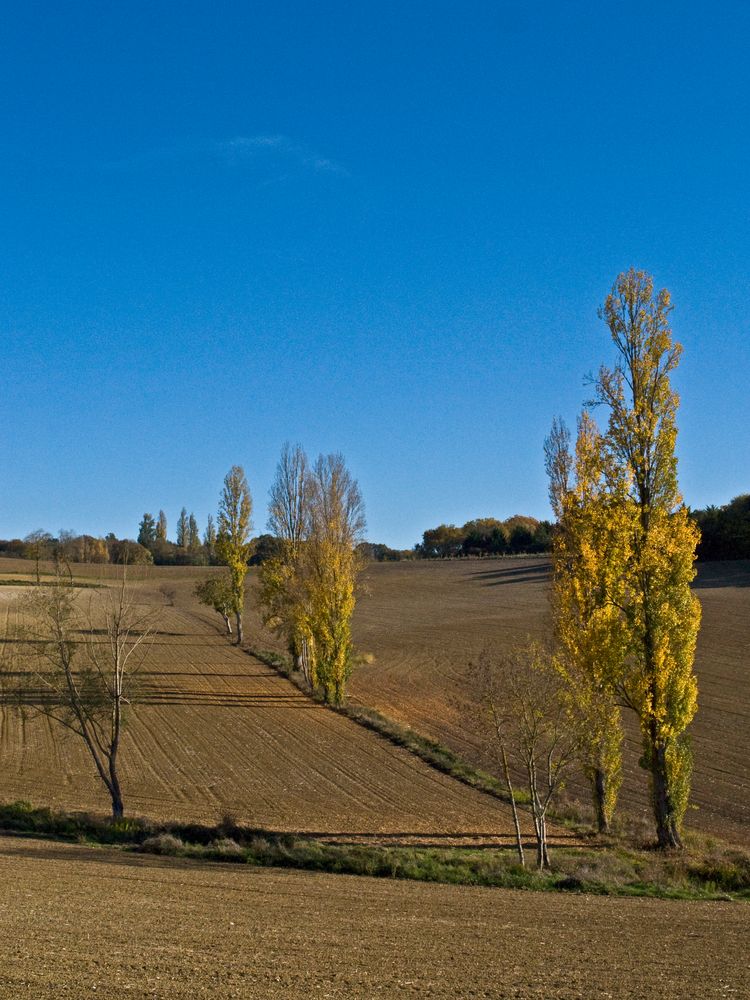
column 516, row 822
column 667, row 834
column 543, row 852
column 114, row 790
column 228, row 623
column 538, row 815
column 305, row 661
column 540, row 847
column 238, row 618
column 600, row 798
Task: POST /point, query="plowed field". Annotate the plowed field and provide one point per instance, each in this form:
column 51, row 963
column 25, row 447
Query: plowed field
column 424, row 621
column 79, row 922
column 216, row 731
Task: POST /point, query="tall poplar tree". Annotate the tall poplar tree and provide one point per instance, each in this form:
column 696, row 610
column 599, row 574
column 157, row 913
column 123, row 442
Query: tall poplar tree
column 193, row 534
column 337, row 521
column 183, row 529
column 309, row 590
column 209, row 538
column 283, row 592
column 233, row 537
column 161, row 526
column 661, row 614
column 586, row 597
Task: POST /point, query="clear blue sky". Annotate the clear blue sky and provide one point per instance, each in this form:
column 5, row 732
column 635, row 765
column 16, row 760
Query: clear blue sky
column 381, row 228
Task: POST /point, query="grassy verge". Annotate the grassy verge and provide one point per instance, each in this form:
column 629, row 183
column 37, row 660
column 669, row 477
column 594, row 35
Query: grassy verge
column 432, row 752
column 618, row 872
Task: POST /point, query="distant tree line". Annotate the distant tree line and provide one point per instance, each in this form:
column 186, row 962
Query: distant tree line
column 725, row 531
column 725, row 534
column 68, row 547
column 486, row 536
column 190, row 548
column 481, row 537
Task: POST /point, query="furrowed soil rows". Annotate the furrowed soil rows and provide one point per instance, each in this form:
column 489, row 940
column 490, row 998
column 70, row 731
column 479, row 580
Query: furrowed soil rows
column 215, row 731
column 424, row 621
column 81, row 922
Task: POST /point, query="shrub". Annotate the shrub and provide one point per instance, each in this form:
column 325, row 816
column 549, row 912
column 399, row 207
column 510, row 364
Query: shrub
column 163, row 843
column 226, row 847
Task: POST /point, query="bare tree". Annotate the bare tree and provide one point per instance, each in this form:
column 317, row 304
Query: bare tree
column 484, row 680
column 282, row 591
column 37, row 547
column 533, row 727
column 288, row 507
column 82, row 663
column 558, row 462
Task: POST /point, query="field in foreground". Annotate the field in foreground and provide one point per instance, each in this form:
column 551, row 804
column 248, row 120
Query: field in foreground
column 81, row 922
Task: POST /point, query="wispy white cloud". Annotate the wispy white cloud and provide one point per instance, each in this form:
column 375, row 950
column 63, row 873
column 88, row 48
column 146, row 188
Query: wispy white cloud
column 241, row 150
column 242, row 147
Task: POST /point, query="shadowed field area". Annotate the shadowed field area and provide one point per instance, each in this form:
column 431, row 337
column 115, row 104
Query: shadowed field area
column 82, row 922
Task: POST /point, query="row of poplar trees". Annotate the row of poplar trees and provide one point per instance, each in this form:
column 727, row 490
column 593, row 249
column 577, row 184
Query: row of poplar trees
column 625, row 617
column 308, row 589
column 307, row 592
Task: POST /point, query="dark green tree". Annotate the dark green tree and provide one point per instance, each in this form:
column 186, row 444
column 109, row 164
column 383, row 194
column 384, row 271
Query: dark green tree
column 193, row 535
column 147, row 532
column 183, row 530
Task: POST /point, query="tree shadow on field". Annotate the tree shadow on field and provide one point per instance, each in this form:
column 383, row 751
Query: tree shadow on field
column 222, row 699
column 21, row 847
column 731, row 573
column 536, row 573
column 205, row 674
column 159, row 633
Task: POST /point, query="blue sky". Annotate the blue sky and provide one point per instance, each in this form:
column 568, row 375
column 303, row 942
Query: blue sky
column 380, row 228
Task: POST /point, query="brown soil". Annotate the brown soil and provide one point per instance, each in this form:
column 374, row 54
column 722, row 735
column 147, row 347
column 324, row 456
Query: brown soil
column 82, row 922
column 424, row 621
column 215, row 731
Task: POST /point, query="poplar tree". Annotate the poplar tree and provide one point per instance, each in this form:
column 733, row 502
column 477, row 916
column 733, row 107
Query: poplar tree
column 193, row 534
column 586, row 597
column 182, row 529
column 209, row 538
column 661, row 614
column 336, row 525
column 161, row 526
column 233, row 537
column 309, row 590
column 283, row 592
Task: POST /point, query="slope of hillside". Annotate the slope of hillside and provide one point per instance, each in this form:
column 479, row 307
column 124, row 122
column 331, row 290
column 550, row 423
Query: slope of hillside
column 215, row 731
column 218, row 730
column 424, row 621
